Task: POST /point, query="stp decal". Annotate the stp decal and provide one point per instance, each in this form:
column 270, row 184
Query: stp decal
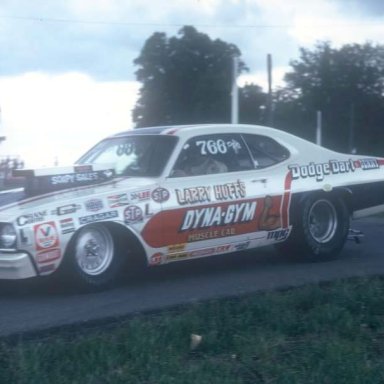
column 133, row 214
column 156, row 259
column 160, row 195
column 46, row 236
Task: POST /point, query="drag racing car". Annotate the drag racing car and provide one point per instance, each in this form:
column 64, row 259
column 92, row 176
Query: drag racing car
column 152, row 196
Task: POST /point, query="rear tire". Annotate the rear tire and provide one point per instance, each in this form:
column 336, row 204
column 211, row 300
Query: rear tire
column 320, row 228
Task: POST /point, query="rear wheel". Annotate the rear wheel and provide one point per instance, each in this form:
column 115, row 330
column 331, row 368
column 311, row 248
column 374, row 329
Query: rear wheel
column 320, row 228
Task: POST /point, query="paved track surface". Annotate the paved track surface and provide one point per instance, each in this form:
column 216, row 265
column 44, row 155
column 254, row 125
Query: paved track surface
column 42, row 306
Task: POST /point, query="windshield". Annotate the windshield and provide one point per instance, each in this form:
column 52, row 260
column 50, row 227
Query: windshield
column 136, row 155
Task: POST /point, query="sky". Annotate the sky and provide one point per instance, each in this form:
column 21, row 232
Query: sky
column 67, row 77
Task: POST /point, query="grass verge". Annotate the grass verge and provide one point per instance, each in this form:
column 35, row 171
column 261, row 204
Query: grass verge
column 327, row 333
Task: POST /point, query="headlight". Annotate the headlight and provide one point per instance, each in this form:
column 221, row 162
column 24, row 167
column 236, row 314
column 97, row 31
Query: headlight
column 8, row 236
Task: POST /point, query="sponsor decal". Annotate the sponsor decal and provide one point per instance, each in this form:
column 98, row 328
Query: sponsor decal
column 320, row 170
column 214, row 234
column 176, row 248
column 200, row 252
column 213, row 221
column 147, row 210
column 160, row 195
column 177, row 256
column 31, row 218
column 72, row 178
column 48, row 256
column 26, row 236
column 66, row 209
column 368, row 164
column 221, row 192
column 133, row 214
column 46, row 236
column 218, row 215
column 223, row 248
column 241, row 246
column 67, row 225
column 140, row 195
column 94, row 205
column 98, row 217
column 156, row 259
column 230, row 191
column 118, row 200
column 278, row 235
column 270, row 218
column 193, row 195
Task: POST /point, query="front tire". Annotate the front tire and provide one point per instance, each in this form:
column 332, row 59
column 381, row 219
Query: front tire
column 93, row 260
column 320, row 228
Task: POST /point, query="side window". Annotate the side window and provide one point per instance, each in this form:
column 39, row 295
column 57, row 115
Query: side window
column 212, row 154
column 265, row 151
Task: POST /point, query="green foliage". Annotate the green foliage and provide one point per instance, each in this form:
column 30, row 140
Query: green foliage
column 252, row 105
column 321, row 333
column 346, row 85
column 185, row 79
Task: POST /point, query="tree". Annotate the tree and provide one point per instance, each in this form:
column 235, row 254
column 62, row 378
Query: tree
column 252, row 105
column 346, row 84
column 185, row 79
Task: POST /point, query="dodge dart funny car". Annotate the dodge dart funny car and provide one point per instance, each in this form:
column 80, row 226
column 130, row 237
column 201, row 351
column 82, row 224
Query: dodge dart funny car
column 153, row 196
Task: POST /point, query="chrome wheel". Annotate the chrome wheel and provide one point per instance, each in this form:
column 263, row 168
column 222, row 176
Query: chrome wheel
column 94, row 250
column 322, row 218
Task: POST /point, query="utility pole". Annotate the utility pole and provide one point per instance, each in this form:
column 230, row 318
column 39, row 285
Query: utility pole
column 235, row 92
column 269, row 97
column 318, row 128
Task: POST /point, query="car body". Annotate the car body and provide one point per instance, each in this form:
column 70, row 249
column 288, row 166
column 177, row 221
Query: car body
column 164, row 194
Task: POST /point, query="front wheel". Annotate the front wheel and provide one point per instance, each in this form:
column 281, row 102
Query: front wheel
column 93, row 261
column 320, row 228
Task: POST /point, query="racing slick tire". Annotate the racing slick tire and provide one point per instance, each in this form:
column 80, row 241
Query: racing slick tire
column 93, row 260
column 320, row 228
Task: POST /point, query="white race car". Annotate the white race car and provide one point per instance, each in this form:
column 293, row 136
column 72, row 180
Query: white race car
column 164, row 194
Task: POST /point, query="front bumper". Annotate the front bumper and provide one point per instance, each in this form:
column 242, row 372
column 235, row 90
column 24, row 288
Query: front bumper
column 16, row 265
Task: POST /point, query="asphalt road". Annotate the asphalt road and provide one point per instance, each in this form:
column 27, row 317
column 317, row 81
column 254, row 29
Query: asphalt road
column 41, row 307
